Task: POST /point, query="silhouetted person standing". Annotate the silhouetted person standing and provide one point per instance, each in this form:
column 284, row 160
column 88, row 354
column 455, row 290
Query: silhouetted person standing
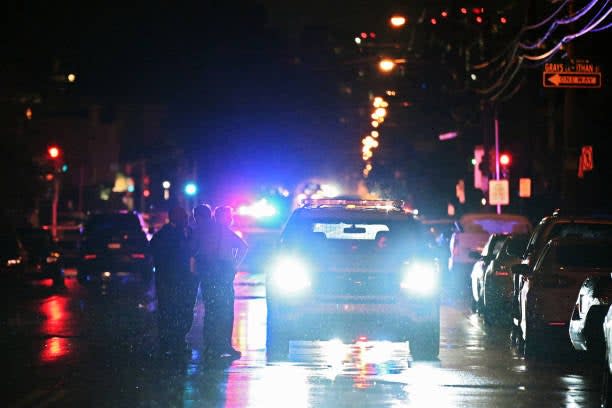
column 231, row 251
column 176, row 284
column 206, row 248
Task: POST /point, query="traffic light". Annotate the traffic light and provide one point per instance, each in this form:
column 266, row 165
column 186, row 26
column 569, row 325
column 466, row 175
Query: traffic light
column 191, row 189
column 505, row 159
column 54, row 152
column 504, row 164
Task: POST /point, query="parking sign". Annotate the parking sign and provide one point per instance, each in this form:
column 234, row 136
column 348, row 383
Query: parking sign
column 499, row 192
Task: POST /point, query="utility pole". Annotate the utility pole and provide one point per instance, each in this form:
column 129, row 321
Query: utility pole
column 569, row 159
column 496, row 125
column 54, row 204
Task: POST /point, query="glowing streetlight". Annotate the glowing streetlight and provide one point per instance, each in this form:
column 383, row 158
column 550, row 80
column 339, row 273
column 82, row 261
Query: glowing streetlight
column 166, row 184
column 381, row 112
column 71, row 77
column 397, row 21
column 375, row 124
column 386, row 65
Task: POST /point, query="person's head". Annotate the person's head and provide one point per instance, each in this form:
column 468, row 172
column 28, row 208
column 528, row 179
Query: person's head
column 178, row 216
column 202, row 213
column 224, row 215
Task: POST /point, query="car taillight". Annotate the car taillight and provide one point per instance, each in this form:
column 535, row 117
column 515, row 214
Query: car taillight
column 502, row 273
column 88, row 257
column 138, row 256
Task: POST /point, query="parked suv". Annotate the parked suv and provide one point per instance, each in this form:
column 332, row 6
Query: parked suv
column 352, row 268
column 554, row 226
column 114, row 247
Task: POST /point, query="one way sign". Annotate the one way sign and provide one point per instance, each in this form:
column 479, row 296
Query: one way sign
column 571, row 80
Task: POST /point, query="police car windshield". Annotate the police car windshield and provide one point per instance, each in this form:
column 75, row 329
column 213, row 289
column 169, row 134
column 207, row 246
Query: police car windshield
column 382, row 233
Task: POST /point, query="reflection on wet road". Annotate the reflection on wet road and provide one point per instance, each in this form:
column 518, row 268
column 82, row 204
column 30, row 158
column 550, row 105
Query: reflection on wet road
column 77, row 348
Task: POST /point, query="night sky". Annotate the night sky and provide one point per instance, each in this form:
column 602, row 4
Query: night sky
column 236, row 77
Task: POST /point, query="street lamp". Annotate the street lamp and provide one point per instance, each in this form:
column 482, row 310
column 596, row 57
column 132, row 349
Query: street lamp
column 397, row 21
column 386, row 65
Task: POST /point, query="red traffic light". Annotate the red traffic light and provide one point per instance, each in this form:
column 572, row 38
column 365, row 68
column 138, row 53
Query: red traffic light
column 505, row 159
column 54, row 152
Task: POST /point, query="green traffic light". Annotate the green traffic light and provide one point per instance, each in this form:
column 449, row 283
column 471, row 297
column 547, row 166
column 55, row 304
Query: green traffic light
column 64, row 168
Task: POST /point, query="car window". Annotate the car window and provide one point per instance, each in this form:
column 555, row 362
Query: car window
column 376, row 233
column 495, row 225
column 575, row 229
column 499, row 243
column 544, row 259
column 585, row 256
column 515, row 245
column 113, row 222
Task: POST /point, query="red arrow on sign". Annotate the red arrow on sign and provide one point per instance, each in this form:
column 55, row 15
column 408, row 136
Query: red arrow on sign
column 555, row 79
column 572, row 80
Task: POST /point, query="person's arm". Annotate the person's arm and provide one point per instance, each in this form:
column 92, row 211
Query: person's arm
column 242, row 248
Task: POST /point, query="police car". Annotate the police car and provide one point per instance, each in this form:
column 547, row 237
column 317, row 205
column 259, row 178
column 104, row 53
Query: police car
column 353, row 268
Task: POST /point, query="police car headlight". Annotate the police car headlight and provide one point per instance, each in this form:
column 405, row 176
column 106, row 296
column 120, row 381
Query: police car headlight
column 290, row 275
column 420, row 278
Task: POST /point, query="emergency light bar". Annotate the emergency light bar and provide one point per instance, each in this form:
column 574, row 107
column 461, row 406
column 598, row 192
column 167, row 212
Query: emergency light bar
column 331, row 202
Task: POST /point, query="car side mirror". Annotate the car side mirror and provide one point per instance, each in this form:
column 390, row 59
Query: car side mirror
column 520, row 269
column 474, row 255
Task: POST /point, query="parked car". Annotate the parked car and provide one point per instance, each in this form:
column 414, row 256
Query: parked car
column 560, row 224
column 115, row 248
column 29, row 254
column 351, row 268
column 473, row 230
column 592, row 304
column 548, row 289
column 44, row 260
column 13, row 257
column 483, row 259
column 498, row 286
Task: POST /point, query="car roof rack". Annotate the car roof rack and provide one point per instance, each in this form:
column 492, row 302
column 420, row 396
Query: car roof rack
column 396, row 205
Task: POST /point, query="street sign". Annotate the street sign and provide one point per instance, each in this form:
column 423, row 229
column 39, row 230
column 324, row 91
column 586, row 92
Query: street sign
column 571, row 80
column 524, row 187
column 499, row 192
column 577, row 74
column 586, row 160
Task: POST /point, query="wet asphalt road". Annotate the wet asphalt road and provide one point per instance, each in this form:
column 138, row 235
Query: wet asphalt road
column 76, row 348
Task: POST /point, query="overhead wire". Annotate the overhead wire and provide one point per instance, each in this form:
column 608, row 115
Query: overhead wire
column 557, row 23
column 595, row 21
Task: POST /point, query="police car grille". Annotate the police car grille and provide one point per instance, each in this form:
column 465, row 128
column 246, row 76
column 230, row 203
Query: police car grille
column 358, row 284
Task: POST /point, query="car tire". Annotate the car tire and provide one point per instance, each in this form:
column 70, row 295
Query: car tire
column 425, row 341
column 474, row 305
column 606, row 386
column 277, row 337
column 481, row 304
column 593, row 331
column 530, row 345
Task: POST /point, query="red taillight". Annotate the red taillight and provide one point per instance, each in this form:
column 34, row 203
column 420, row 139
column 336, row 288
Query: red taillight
column 502, row 273
column 557, row 324
column 362, row 338
column 88, row 257
column 138, row 256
